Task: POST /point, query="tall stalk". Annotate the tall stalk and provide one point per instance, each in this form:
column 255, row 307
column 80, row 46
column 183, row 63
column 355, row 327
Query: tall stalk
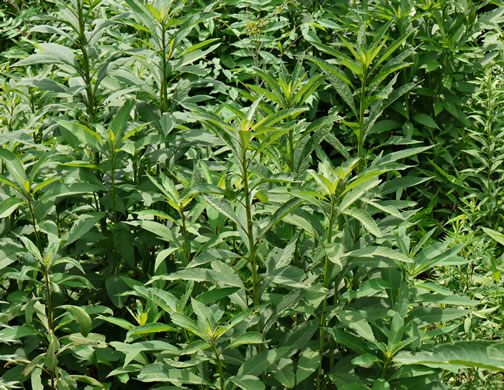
column 327, row 279
column 185, row 233
column 219, row 367
column 250, row 228
column 34, row 222
column 163, row 93
column 86, row 74
column 50, row 320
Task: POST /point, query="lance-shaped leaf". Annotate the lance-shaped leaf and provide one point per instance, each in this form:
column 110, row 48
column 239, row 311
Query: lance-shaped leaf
column 225, row 208
column 120, row 120
column 203, row 275
column 365, row 219
column 51, row 53
column 462, row 354
column 146, row 329
column 339, row 81
column 14, row 167
column 84, row 134
column 80, row 316
column 8, row 206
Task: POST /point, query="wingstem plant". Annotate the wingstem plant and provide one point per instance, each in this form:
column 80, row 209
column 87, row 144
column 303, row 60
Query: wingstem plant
column 239, row 138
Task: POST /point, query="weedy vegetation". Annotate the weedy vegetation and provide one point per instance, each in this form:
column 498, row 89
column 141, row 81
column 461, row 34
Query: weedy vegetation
column 251, row 194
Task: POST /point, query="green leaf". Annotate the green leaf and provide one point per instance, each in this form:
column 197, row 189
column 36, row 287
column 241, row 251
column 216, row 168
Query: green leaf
column 245, row 338
column 307, row 364
column 84, row 135
column 82, row 225
column 159, row 229
column 283, row 372
column 379, row 251
column 188, row 324
column 120, row 322
column 441, row 299
column 381, row 384
column 426, row 120
column 339, row 81
column 203, row 275
column 365, row 359
column 51, row 361
column 430, row 315
column 14, row 167
column 32, row 248
column 391, row 157
column 280, row 213
column 353, row 386
column 51, row 53
column 257, row 364
column 247, row 382
column 365, row 219
column 8, row 206
column 142, row 14
column 216, row 294
column 368, row 289
column 36, row 380
column 12, row 334
column 81, row 317
column 358, row 192
column 131, row 351
column 143, row 330
column 462, row 354
column 225, row 208
column 120, row 120
column 357, row 322
column 88, row 380
column 211, row 255
column 159, row 372
column 115, row 286
column 499, row 237
column 396, row 332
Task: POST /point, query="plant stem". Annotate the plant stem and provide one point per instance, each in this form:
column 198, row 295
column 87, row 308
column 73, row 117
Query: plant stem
column 291, row 151
column 86, row 71
column 219, row 367
column 50, row 322
column 49, row 298
column 362, row 109
column 34, row 223
column 187, row 243
column 163, row 93
column 112, row 184
column 322, row 323
column 250, row 233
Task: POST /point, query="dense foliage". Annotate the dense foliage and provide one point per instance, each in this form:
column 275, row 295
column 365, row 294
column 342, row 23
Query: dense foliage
column 251, row 194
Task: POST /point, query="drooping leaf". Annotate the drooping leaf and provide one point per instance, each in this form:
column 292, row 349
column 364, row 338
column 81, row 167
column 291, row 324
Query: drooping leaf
column 81, row 317
column 462, row 354
column 247, row 382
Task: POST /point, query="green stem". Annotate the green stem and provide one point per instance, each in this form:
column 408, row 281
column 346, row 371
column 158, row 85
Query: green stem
column 112, row 184
column 322, row 322
column 34, row 223
column 488, row 125
column 362, row 109
column 163, row 103
column 86, row 71
column 291, row 151
column 51, row 373
column 219, row 367
column 187, row 243
column 385, row 367
column 50, row 322
column 250, row 233
column 49, row 298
